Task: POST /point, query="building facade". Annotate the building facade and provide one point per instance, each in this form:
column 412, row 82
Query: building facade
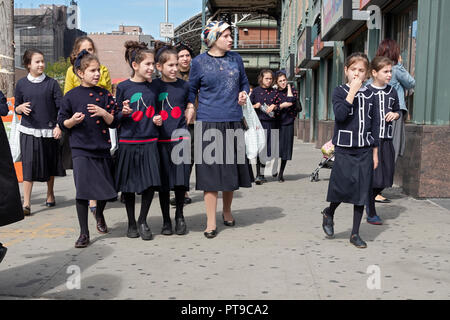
column 318, row 35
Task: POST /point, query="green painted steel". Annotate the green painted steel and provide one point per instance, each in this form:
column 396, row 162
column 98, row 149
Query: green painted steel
column 432, row 92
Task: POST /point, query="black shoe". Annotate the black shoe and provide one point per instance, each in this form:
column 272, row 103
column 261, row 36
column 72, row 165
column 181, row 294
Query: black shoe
column 187, row 200
column 327, row 224
column 145, row 232
column 356, row 240
column 50, row 204
column 229, row 223
column 258, row 181
column 2, row 252
column 281, row 179
column 122, row 198
column 82, row 242
column 173, row 202
column 211, row 234
column 275, row 175
column 263, row 179
column 180, row 226
column 132, row 232
column 167, row 229
column 26, row 211
column 101, row 225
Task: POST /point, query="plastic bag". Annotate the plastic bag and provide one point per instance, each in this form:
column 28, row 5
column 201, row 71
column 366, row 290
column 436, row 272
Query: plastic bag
column 14, row 138
column 255, row 139
column 113, row 138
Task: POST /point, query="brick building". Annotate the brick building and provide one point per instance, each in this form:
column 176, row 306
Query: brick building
column 111, row 50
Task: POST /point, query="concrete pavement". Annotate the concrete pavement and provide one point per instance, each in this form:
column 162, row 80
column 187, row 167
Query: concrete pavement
column 277, row 250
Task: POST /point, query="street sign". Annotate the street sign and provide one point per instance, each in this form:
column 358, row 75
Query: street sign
column 166, row 30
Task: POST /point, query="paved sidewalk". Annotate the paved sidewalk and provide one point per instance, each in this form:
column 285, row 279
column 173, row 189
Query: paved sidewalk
column 277, row 250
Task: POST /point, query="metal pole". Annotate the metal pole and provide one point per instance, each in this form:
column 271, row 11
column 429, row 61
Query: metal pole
column 167, row 15
column 235, row 31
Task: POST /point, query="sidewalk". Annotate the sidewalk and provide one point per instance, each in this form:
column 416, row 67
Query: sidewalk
column 277, row 250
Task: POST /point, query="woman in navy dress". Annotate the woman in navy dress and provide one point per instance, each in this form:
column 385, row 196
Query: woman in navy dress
column 87, row 112
column 218, row 78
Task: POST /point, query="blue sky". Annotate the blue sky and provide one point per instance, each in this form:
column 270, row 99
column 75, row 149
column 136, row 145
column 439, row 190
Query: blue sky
column 107, row 15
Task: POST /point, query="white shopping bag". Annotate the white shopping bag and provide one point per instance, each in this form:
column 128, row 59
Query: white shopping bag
column 255, row 139
column 113, row 138
column 14, row 138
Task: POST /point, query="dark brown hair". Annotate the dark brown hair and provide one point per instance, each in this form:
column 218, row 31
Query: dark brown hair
column 136, row 51
column 355, row 57
column 379, row 63
column 77, row 45
column 28, row 56
column 389, row 48
column 278, row 75
column 85, row 62
column 261, row 76
column 163, row 51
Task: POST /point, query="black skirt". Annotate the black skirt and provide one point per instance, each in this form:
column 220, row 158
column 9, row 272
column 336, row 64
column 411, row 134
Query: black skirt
column 268, row 153
column 351, row 177
column 222, row 173
column 383, row 175
column 137, row 167
column 41, row 158
column 175, row 174
column 94, row 178
column 10, row 203
column 286, row 141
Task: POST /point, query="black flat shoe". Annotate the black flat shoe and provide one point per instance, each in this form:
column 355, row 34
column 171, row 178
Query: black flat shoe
column 263, row 179
column 145, row 232
column 281, row 179
column 82, row 242
column 258, row 181
column 356, row 240
column 26, row 211
column 210, row 234
column 228, row 223
column 383, row 201
column 167, row 229
column 101, row 226
column 173, row 202
column 327, row 224
column 2, row 252
column 180, row 226
column 275, row 175
column 132, row 232
column 187, row 200
column 50, row 204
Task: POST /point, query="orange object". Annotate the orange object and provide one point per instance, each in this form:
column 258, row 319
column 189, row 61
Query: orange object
column 19, row 172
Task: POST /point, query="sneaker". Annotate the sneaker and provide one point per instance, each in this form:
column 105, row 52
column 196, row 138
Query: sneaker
column 376, row 220
column 356, row 240
column 258, row 180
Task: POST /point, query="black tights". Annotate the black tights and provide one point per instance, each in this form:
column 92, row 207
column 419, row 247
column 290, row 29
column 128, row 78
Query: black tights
column 130, row 200
column 282, row 167
column 82, row 212
column 258, row 167
column 357, row 215
column 164, row 201
column 370, row 207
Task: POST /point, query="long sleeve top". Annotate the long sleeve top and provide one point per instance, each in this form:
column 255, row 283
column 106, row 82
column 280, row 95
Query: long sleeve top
column 45, row 98
column 218, row 81
column 90, row 137
column 356, row 125
column 266, row 96
column 172, row 101
column 287, row 115
column 385, row 101
column 3, row 105
column 73, row 81
column 138, row 127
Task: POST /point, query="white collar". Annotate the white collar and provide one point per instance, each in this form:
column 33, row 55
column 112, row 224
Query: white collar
column 379, row 88
column 36, row 80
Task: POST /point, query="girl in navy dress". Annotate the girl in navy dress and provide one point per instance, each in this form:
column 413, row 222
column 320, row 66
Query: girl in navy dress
column 356, row 140
column 287, row 112
column 137, row 169
column 38, row 99
column 174, row 136
column 86, row 113
column 387, row 106
column 262, row 95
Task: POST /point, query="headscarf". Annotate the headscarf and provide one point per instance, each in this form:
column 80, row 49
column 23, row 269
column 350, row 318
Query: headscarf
column 213, row 31
column 77, row 63
column 184, row 46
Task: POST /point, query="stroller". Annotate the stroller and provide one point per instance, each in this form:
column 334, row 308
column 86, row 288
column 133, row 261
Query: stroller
column 327, row 160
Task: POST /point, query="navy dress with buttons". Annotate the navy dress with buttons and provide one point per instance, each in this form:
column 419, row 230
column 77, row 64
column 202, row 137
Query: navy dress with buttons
column 286, row 117
column 355, row 134
column 90, row 142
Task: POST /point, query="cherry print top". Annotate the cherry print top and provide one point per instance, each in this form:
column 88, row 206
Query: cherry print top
column 172, row 101
column 89, row 138
column 138, row 127
column 266, row 96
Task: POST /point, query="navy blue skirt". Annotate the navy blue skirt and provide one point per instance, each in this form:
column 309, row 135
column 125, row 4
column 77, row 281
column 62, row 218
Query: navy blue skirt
column 286, row 142
column 222, row 165
column 41, row 158
column 175, row 170
column 94, row 178
column 269, row 152
column 351, row 177
column 137, row 167
column 383, row 175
